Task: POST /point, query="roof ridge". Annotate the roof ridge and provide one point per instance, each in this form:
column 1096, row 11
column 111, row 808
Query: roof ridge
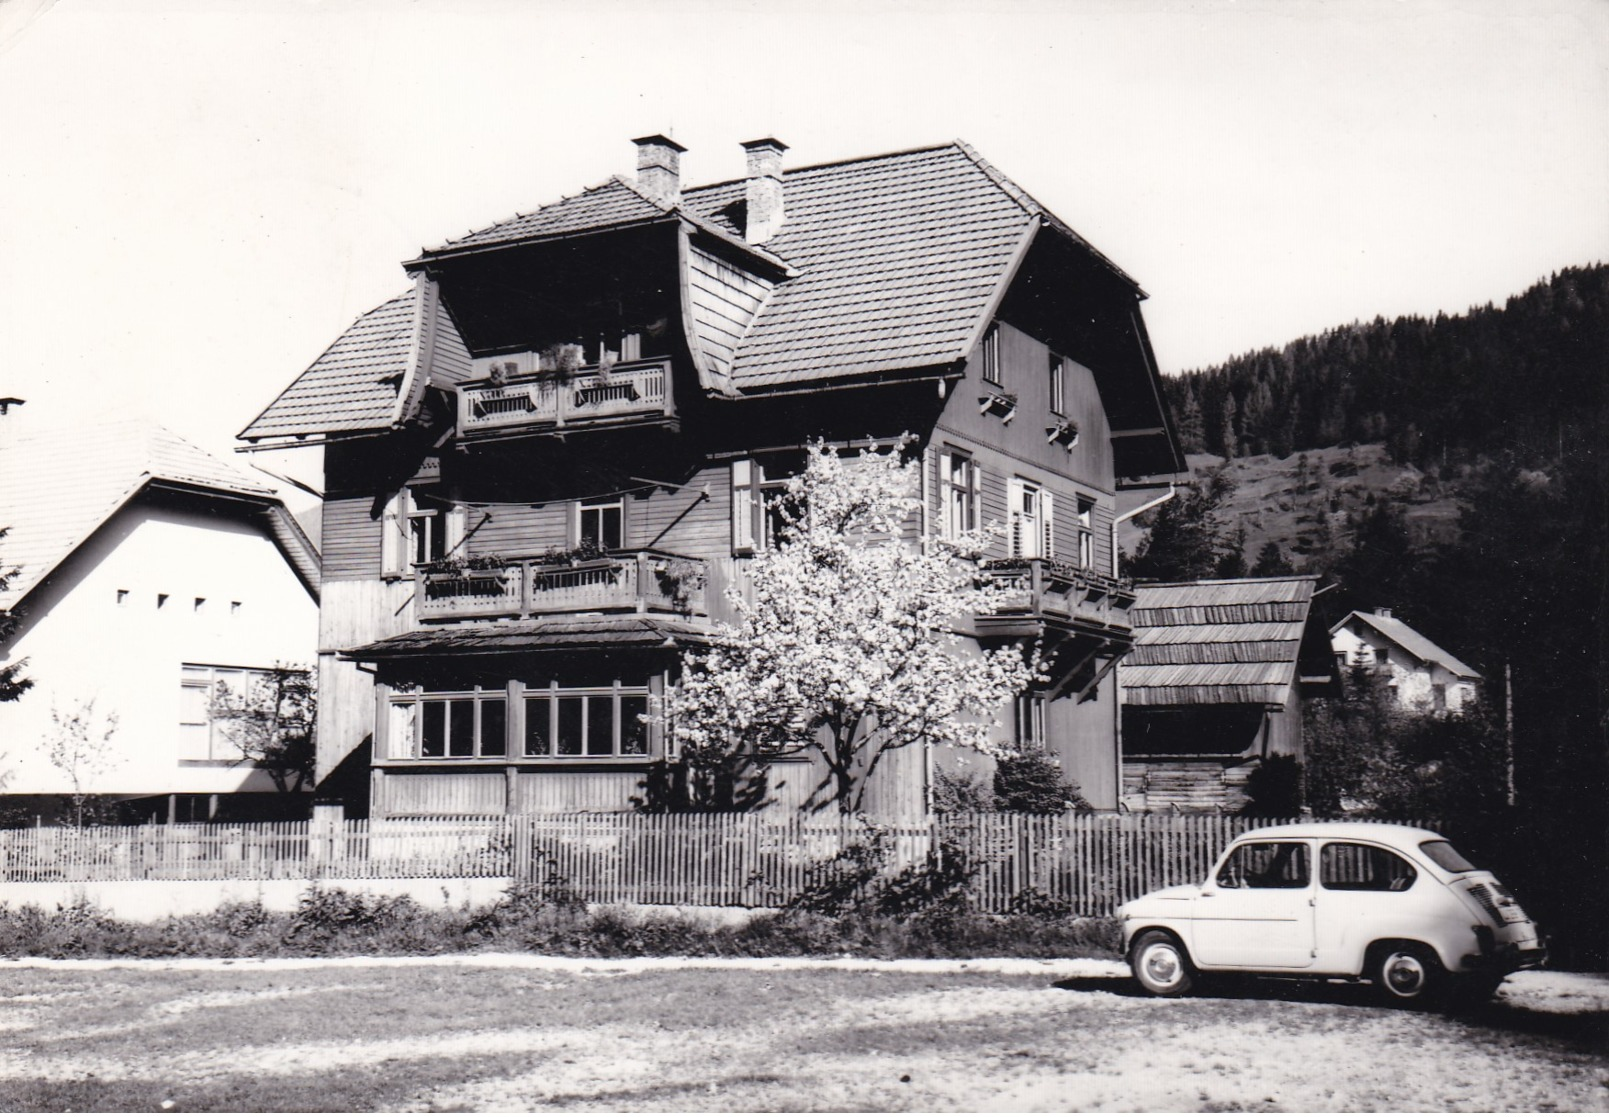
column 829, row 163
column 1027, row 201
column 612, row 180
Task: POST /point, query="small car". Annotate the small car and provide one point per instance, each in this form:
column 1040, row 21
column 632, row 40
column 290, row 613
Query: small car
column 1393, row 905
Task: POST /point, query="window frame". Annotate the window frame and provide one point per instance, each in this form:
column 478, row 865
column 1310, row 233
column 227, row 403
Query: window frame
column 516, row 699
column 961, row 500
column 1379, row 853
column 1028, row 721
column 1042, row 517
column 989, row 356
column 1058, row 384
column 1243, row 882
column 600, row 505
column 229, row 752
column 1086, row 532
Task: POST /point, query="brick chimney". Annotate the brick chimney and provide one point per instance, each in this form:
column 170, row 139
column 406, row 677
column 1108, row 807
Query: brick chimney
column 1386, row 613
column 764, row 198
column 659, row 167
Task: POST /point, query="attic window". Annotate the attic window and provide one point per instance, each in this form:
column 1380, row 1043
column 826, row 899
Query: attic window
column 990, row 355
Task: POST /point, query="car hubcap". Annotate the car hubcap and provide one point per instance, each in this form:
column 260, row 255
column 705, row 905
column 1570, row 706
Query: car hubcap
column 1162, row 965
column 1404, row 974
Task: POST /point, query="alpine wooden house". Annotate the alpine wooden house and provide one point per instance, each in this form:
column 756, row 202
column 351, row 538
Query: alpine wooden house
column 549, row 459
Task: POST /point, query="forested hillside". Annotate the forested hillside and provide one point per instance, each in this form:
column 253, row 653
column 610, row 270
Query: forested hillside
column 1525, row 378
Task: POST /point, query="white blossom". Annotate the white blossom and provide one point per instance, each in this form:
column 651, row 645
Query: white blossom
column 849, row 644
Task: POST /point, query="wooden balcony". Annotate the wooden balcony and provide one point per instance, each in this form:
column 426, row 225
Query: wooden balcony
column 629, row 392
column 1055, row 592
column 627, row 581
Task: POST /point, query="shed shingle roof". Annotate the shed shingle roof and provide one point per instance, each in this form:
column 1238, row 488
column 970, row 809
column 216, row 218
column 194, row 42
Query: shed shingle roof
column 58, row 486
column 1227, row 641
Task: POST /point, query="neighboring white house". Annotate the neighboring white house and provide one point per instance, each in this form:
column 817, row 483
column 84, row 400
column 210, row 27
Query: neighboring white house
column 148, row 571
column 1423, row 675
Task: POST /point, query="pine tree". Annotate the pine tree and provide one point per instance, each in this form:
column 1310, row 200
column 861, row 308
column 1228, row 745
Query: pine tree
column 1271, row 562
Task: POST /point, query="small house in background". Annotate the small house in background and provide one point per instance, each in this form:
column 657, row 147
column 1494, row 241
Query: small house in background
column 1422, row 674
column 1213, row 687
column 147, row 573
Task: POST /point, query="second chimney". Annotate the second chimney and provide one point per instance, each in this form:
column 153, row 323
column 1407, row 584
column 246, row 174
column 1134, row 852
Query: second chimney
column 659, row 167
column 764, row 198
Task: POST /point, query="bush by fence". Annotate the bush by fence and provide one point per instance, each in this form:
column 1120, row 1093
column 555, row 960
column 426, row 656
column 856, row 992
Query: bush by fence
column 1084, row 864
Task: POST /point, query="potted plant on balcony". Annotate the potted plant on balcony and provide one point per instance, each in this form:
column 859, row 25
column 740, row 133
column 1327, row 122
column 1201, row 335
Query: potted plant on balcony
column 587, row 553
column 679, row 579
column 462, row 576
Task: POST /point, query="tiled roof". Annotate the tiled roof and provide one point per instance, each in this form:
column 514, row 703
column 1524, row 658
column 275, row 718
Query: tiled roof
column 615, row 202
column 891, row 263
column 1408, row 639
column 898, row 257
column 58, row 486
column 1227, row 641
column 584, row 632
column 353, row 385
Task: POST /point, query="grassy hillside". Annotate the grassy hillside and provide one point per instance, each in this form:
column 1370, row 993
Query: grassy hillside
column 1307, row 502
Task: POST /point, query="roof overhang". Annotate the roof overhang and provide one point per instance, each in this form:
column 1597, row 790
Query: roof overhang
column 631, row 630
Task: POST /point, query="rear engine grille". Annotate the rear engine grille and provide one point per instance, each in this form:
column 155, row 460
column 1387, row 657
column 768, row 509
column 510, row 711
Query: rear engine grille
column 1498, row 903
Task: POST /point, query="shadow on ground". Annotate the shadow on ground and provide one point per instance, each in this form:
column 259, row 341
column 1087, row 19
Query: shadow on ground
column 1586, row 1029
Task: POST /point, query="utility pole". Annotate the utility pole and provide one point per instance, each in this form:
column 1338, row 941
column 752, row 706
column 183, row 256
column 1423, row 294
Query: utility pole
column 1508, row 727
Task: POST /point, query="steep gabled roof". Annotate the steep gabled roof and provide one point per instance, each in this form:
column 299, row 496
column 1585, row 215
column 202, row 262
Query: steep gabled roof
column 1232, row 641
column 885, row 264
column 899, row 258
column 354, row 383
column 58, row 486
column 1409, row 640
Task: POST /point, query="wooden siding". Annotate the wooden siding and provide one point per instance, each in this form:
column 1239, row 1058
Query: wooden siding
column 1191, row 786
column 449, row 358
column 350, row 545
column 1025, row 373
column 1083, row 737
column 724, row 301
column 998, row 468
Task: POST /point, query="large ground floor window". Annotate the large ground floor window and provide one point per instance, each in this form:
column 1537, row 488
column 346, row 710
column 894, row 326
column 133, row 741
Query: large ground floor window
column 520, row 722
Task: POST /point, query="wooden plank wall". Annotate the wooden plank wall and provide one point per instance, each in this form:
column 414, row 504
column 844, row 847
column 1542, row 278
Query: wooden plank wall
column 724, row 301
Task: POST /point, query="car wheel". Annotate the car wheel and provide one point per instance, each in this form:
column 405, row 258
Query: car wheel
column 1161, row 965
column 1408, row 974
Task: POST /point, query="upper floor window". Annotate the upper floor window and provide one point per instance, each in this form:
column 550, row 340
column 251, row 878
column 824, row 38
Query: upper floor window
column 960, row 484
column 602, row 524
column 418, row 529
column 1031, row 527
column 1086, row 533
column 991, row 355
column 760, row 506
column 1058, row 385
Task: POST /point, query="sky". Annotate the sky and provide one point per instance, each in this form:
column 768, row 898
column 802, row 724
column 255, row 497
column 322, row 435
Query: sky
column 197, row 197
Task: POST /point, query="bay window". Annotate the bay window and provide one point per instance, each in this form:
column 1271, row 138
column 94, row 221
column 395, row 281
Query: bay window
column 550, row 722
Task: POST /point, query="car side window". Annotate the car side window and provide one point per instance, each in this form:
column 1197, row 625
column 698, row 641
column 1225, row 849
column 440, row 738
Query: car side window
column 1265, row 865
column 1351, row 867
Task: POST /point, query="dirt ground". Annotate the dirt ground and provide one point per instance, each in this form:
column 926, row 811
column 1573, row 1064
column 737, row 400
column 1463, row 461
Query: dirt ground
column 516, row 1033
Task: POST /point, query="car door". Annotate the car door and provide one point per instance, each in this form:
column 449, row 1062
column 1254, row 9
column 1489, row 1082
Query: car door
column 1366, row 892
column 1257, row 911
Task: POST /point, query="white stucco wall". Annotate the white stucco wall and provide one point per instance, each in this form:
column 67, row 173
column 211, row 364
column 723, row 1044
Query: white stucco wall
column 1413, row 682
column 84, row 645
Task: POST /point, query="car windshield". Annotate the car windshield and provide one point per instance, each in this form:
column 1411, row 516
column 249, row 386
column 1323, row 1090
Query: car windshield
column 1443, row 854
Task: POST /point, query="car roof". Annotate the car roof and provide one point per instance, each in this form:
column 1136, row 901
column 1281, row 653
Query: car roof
column 1389, row 832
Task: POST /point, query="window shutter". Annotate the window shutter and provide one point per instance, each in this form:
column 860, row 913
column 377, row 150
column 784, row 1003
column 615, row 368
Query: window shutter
column 743, row 504
column 976, row 475
column 1014, row 541
column 457, row 519
column 947, row 525
column 1047, row 518
column 394, row 535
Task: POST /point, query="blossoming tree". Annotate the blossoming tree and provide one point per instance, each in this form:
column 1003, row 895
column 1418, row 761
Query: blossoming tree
column 848, row 646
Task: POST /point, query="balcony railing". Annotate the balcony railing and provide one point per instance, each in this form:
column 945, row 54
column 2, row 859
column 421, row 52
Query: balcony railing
column 628, row 581
column 1048, row 589
column 626, row 391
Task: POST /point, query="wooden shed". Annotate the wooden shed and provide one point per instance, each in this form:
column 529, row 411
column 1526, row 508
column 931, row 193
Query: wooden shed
column 1213, row 687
